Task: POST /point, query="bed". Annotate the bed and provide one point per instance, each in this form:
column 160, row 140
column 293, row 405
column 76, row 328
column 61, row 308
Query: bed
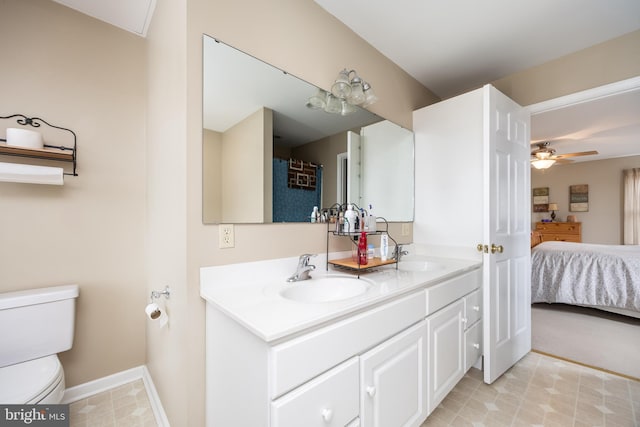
column 592, row 275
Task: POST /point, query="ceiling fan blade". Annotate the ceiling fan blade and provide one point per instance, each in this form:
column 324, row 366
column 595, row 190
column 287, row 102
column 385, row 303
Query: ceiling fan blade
column 563, row 161
column 582, row 153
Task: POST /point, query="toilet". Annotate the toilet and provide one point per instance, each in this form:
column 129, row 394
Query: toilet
column 35, row 325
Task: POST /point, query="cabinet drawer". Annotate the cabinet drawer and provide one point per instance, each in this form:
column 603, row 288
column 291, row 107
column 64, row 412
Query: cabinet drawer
column 332, row 399
column 472, row 345
column 443, row 294
column 472, row 307
column 298, row 360
column 559, row 227
column 555, row 237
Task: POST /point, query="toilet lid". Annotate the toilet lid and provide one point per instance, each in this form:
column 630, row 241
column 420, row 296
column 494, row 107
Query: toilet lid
column 22, row 382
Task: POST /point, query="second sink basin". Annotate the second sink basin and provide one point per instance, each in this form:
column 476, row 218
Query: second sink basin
column 417, row 264
column 326, row 289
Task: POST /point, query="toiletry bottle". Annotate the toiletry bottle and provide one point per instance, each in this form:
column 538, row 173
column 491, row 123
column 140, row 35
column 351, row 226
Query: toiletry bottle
column 362, row 249
column 370, row 251
column 384, row 247
column 350, row 217
column 314, row 214
column 371, row 220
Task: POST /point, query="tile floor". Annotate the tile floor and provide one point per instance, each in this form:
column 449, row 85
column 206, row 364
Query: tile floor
column 538, row 391
column 541, row 391
column 124, row 406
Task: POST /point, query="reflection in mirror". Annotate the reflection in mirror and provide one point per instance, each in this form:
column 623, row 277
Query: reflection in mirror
column 268, row 158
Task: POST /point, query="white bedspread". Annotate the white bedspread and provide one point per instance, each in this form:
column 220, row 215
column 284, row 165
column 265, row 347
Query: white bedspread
column 586, row 274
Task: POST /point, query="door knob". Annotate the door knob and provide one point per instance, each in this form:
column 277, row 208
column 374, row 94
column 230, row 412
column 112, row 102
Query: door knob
column 495, row 248
column 482, row 248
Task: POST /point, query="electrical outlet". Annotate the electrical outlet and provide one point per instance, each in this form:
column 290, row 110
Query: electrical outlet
column 226, row 237
column 406, row 229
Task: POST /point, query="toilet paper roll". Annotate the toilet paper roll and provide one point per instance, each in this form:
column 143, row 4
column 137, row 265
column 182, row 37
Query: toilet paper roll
column 164, row 319
column 153, row 311
column 24, row 138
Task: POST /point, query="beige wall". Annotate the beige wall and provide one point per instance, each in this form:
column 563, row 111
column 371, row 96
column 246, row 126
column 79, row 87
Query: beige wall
column 603, row 222
column 604, row 63
column 77, row 72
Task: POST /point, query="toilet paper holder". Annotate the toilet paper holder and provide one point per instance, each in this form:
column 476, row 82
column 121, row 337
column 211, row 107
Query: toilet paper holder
column 157, row 294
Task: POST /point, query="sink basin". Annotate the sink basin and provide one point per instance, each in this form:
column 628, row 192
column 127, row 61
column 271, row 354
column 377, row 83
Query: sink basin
column 419, row 265
column 326, row 289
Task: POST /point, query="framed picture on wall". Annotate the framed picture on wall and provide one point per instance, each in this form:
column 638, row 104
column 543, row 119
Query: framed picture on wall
column 540, row 200
column 579, row 198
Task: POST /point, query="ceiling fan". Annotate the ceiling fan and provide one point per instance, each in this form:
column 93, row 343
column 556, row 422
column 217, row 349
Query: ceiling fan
column 544, row 156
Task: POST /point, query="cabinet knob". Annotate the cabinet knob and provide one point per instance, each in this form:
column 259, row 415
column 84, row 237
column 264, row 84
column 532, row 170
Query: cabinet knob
column 476, row 308
column 464, row 320
column 371, row 391
column 327, row 415
column 476, row 345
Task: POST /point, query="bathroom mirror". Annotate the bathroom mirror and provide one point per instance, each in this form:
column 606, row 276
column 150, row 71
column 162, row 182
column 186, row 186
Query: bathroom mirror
column 255, row 120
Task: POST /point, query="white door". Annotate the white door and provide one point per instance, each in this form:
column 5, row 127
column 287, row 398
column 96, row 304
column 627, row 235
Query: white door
column 506, row 267
column 393, row 381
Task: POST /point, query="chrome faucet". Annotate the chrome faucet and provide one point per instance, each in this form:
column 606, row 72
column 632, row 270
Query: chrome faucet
column 302, row 272
column 398, row 253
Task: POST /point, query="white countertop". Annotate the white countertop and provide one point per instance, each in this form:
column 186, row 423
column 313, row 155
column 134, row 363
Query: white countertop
column 250, row 292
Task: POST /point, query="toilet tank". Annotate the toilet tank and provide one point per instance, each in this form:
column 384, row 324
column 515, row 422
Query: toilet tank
column 36, row 323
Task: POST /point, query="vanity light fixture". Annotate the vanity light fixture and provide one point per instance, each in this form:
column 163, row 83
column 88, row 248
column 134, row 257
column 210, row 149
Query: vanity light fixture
column 347, row 91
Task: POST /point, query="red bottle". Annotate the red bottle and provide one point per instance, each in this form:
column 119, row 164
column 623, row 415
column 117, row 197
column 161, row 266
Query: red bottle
column 362, row 249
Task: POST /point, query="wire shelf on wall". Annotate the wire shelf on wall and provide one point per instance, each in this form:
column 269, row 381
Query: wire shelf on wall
column 49, row 152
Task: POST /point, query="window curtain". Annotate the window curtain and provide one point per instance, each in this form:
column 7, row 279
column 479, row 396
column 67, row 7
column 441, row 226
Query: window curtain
column 632, row 206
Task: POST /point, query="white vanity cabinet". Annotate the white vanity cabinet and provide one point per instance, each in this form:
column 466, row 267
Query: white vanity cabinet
column 371, row 368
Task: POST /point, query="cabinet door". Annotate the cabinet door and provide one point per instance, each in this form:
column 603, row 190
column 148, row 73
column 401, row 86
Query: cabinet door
column 445, row 332
column 393, row 381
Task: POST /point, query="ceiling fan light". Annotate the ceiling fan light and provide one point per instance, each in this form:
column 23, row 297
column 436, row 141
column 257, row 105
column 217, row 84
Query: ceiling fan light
column 543, row 163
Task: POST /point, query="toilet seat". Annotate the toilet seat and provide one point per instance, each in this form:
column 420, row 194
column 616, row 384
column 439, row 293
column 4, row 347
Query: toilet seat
column 35, row 381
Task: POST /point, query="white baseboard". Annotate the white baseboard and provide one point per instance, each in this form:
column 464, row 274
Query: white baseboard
column 154, row 399
column 82, row 391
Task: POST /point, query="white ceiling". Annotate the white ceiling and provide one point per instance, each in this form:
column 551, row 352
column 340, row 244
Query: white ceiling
column 455, row 46
column 131, row 15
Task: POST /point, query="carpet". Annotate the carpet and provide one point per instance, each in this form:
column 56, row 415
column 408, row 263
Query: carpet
column 592, row 337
